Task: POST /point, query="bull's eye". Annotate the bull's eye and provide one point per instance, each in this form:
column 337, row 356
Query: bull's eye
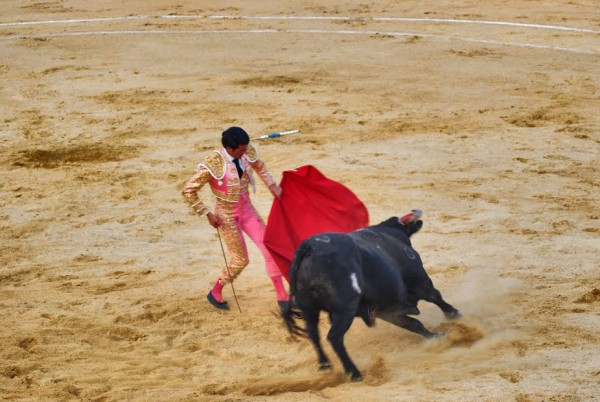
column 409, row 253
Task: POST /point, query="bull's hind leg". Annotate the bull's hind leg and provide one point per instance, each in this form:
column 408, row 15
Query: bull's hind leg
column 406, row 322
column 435, row 297
column 312, row 328
column 340, row 323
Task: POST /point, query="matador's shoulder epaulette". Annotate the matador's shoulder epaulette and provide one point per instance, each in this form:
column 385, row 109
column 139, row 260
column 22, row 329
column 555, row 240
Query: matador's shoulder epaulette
column 215, row 164
column 252, row 153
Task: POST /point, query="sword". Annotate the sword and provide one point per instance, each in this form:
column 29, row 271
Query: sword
column 276, row 135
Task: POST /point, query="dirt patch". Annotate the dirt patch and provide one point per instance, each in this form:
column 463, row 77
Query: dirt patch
column 76, row 154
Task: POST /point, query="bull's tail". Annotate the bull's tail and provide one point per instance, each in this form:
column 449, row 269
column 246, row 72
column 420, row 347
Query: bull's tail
column 290, row 314
column 299, row 256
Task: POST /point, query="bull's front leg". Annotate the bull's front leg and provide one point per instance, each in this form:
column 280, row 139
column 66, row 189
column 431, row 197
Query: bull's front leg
column 449, row 311
column 312, row 329
column 406, row 322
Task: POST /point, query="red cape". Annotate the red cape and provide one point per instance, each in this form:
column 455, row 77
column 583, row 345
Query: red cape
column 310, row 203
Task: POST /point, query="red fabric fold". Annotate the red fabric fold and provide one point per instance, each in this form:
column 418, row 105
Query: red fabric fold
column 310, row 203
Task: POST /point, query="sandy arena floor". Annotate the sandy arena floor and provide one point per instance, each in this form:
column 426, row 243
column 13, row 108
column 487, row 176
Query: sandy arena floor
column 483, row 114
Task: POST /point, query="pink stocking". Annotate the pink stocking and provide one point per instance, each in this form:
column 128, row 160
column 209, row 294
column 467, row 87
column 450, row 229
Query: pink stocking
column 216, row 291
column 282, row 294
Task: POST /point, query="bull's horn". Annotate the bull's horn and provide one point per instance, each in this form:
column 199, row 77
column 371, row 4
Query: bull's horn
column 414, row 216
column 417, row 214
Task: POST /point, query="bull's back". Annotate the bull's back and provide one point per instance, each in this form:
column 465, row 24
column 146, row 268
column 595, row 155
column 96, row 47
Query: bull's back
column 404, row 257
column 326, row 273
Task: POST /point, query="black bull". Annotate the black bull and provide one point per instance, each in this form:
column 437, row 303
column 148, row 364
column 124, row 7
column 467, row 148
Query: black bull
column 369, row 273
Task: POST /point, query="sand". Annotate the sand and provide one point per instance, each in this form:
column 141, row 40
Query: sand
column 483, row 114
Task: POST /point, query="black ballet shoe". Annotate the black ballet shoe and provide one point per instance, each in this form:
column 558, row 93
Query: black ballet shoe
column 220, row 305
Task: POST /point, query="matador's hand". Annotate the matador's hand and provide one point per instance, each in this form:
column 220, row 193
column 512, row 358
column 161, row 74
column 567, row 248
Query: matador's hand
column 214, row 220
column 275, row 190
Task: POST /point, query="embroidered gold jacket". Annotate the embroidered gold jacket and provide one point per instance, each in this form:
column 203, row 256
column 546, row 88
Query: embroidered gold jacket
column 222, row 175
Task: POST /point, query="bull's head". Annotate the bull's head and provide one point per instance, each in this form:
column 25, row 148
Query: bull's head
column 413, row 216
column 412, row 221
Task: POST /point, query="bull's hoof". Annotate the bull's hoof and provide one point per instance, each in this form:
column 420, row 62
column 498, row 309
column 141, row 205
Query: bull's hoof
column 356, row 377
column 432, row 335
column 453, row 315
column 324, row 366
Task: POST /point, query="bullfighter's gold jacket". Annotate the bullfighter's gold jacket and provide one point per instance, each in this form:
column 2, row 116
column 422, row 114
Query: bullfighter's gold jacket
column 218, row 170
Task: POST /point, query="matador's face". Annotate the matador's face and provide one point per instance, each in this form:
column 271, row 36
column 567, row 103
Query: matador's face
column 238, row 152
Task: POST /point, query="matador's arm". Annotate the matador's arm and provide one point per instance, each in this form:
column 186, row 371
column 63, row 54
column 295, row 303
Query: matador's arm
column 261, row 169
column 212, row 166
column 190, row 191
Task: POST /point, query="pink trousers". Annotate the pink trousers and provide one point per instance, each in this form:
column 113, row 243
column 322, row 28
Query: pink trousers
column 240, row 218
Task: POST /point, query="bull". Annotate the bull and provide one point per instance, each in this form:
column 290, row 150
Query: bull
column 370, row 273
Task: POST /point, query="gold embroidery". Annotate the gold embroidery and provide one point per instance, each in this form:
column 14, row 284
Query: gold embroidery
column 252, row 153
column 236, row 245
column 215, row 164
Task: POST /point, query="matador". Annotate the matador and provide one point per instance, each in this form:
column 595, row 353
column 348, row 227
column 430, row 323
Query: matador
column 229, row 172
